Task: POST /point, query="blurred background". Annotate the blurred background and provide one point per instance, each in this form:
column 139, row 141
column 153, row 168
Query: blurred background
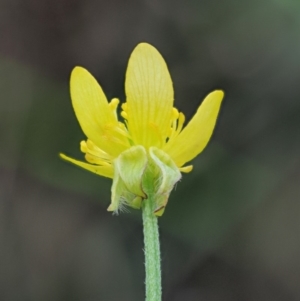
column 231, row 229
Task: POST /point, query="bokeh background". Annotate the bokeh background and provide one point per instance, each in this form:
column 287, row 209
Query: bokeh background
column 231, row 230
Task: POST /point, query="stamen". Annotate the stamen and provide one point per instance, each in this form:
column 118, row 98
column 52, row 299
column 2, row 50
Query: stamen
column 93, row 159
column 177, row 124
column 114, row 103
column 96, row 151
column 111, row 132
column 124, row 106
column 175, row 114
column 171, row 130
column 83, row 146
column 122, row 126
column 122, row 131
column 124, row 112
column 124, row 115
column 94, row 154
column 116, row 140
column 181, row 120
column 156, row 130
column 113, row 106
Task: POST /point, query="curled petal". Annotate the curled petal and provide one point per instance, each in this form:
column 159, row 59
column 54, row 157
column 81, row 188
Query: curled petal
column 167, row 175
column 195, row 136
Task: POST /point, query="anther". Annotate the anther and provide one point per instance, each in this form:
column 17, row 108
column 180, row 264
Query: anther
column 114, row 103
column 181, row 120
column 83, row 146
column 124, row 106
column 124, row 114
column 175, row 114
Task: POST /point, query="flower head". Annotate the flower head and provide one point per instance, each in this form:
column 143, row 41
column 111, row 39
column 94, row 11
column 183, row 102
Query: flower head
column 148, row 149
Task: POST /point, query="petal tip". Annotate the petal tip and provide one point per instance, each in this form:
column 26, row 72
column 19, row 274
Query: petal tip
column 144, row 45
column 145, row 49
column 78, row 71
column 218, row 93
column 215, row 96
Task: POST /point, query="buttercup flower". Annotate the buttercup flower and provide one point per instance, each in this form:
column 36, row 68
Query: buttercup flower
column 148, row 149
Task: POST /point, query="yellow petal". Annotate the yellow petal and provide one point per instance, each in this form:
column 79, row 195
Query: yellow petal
column 93, row 112
column 195, row 136
column 150, row 96
column 131, row 166
column 105, row 171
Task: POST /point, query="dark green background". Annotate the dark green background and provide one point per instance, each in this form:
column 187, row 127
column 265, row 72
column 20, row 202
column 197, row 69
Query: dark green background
column 231, row 230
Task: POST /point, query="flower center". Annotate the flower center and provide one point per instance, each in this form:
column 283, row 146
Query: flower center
column 118, row 134
column 176, row 125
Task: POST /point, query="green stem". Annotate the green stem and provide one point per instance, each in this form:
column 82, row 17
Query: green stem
column 152, row 251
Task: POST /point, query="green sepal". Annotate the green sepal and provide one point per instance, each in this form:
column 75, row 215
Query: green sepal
column 167, row 174
column 136, row 203
column 138, row 174
column 127, row 188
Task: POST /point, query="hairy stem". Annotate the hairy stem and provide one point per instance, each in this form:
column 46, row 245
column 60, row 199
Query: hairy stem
column 152, row 251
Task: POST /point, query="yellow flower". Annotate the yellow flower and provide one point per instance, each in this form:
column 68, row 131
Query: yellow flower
column 150, row 145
